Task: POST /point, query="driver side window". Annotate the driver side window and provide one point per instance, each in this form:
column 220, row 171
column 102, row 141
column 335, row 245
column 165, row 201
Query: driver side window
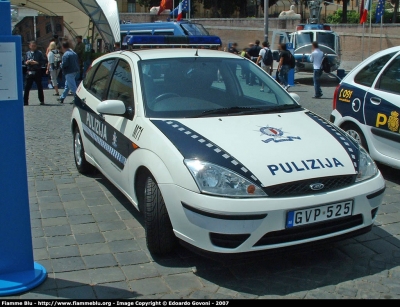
column 367, row 75
column 390, row 78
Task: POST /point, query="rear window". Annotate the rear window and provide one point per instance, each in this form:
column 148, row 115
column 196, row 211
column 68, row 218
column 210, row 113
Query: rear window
column 194, row 29
column 368, row 74
column 99, row 84
column 89, row 76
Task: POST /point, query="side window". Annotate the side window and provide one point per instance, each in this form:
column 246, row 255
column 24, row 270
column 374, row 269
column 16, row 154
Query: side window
column 390, row 79
column 100, row 79
column 89, row 76
column 368, row 74
column 121, row 87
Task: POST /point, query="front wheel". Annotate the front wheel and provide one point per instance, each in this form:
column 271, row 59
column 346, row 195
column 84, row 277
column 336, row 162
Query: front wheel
column 81, row 164
column 160, row 237
column 356, row 133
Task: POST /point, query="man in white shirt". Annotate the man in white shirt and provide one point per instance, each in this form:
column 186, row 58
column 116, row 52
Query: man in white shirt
column 316, row 58
column 268, row 68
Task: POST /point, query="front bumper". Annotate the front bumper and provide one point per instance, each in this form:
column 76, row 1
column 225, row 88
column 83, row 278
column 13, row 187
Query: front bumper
column 229, row 225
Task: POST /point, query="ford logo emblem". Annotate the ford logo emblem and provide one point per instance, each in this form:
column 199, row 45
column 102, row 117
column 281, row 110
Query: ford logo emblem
column 316, row 186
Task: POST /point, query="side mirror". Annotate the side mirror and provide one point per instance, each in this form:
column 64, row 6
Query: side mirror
column 111, row 107
column 295, row 96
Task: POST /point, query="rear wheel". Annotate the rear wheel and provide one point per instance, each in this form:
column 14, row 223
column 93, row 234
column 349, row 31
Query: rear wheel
column 82, row 165
column 160, row 237
column 356, row 133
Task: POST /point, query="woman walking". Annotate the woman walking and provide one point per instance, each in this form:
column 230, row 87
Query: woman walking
column 53, row 65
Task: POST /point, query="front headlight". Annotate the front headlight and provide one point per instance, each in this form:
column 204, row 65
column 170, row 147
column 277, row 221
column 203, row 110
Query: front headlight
column 367, row 166
column 213, row 179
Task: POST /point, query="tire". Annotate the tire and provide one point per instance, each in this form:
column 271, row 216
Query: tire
column 356, row 133
column 81, row 164
column 160, row 237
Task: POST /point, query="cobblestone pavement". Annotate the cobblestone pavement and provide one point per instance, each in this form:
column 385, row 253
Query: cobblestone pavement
column 92, row 243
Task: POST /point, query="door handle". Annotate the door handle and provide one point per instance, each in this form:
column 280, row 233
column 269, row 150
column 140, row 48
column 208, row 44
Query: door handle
column 375, row 100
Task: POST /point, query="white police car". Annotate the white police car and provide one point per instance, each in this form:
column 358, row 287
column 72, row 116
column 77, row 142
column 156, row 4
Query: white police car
column 215, row 162
column 366, row 104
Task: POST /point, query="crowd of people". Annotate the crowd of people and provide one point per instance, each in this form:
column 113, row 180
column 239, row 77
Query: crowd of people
column 73, row 63
column 262, row 56
column 60, row 59
column 256, row 53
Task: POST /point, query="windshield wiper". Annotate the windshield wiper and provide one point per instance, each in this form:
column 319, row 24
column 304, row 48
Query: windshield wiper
column 249, row 110
column 231, row 110
column 282, row 107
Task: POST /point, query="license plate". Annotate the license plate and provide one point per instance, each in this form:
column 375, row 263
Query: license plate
column 319, row 214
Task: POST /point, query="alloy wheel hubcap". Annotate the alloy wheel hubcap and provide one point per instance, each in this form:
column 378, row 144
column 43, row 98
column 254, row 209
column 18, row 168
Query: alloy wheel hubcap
column 355, row 135
column 78, row 149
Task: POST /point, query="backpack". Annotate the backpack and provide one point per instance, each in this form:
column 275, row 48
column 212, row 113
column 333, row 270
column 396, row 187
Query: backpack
column 57, row 59
column 325, row 66
column 292, row 60
column 267, row 58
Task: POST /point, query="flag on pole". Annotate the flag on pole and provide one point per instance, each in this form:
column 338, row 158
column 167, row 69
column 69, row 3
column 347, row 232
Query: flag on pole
column 379, row 10
column 165, row 5
column 367, row 8
column 180, row 9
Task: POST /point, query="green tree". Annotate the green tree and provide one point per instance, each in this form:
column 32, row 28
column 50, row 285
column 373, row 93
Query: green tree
column 337, row 17
column 225, row 8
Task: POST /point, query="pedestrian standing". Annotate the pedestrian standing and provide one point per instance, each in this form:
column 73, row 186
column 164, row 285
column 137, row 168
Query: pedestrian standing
column 70, row 67
column 316, row 58
column 284, row 65
column 49, row 84
column 253, row 54
column 233, row 48
column 245, row 69
column 79, row 50
column 117, row 46
column 266, row 60
column 87, row 58
column 34, row 62
column 53, row 65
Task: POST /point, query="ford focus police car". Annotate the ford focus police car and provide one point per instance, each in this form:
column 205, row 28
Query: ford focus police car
column 214, row 162
column 367, row 105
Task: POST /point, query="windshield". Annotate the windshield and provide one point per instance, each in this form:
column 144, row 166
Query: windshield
column 202, row 87
column 194, row 29
column 304, row 38
column 326, row 39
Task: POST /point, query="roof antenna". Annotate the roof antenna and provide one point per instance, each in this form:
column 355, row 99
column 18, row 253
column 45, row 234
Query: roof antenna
column 197, row 52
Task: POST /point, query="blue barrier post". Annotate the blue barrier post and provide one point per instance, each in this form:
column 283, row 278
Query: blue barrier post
column 18, row 271
column 289, row 47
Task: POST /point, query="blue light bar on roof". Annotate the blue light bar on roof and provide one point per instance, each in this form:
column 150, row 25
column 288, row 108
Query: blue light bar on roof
column 316, row 27
column 172, row 40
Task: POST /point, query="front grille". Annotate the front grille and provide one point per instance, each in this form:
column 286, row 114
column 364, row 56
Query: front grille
column 299, row 188
column 310, row 231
